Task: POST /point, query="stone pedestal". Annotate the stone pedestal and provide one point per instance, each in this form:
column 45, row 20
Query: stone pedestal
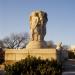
column 36, row 45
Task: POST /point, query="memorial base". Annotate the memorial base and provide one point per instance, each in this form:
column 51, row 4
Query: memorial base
column 14, row 55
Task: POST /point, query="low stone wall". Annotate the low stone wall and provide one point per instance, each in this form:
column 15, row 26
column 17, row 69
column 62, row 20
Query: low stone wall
column 13, row 55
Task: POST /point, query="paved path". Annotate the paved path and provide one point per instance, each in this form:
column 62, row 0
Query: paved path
column 68, row 73
column 2, row 72
column 69, row 67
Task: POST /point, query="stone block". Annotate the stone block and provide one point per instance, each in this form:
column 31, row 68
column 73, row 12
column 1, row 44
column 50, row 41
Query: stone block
column 14, row 55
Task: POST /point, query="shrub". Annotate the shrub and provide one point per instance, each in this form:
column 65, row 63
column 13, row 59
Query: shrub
column 33, row 66
column 2, row 53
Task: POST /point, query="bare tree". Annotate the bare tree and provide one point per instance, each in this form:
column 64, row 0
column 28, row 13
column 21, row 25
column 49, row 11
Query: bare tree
column 1, row 44
column 66, row 47
column 50, row 44
column 16, row 40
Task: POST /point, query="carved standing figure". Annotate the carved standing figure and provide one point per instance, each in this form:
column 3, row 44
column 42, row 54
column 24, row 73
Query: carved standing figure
column 38, row 20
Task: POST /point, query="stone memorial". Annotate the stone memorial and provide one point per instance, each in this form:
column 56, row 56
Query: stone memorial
column 38, row 20
column 37, row 46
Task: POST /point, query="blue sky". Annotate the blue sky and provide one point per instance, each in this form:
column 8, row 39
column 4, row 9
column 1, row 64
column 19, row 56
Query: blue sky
column 14, row 18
